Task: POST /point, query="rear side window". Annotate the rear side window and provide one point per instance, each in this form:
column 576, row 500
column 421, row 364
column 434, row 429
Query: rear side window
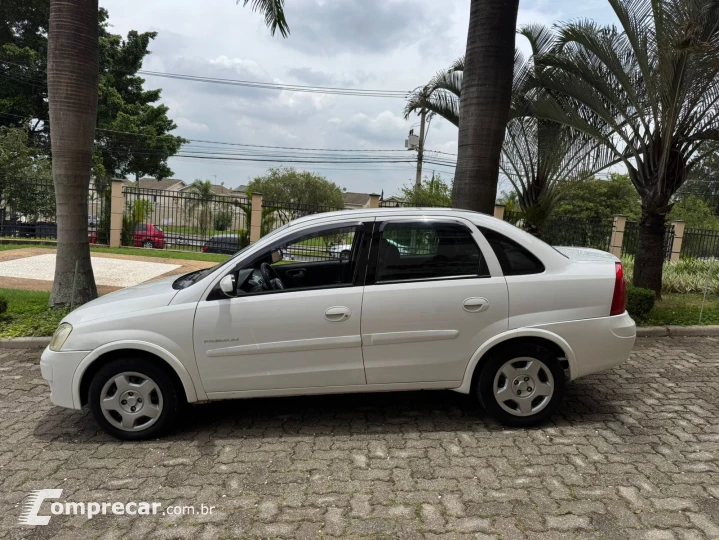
column 513, row 258
column 411, row 251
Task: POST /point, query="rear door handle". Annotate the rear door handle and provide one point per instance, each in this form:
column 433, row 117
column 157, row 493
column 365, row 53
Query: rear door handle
column 475, row 304
column 338, row 314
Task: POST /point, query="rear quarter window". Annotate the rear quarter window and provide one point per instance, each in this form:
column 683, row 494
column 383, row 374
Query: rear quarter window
column 514, row 259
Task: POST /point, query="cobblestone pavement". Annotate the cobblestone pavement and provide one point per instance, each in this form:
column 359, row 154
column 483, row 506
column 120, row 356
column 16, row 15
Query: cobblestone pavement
column 633, row 454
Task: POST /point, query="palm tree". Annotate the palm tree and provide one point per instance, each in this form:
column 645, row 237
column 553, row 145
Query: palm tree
column 72, row 78
column 537, row 155
column 274, row 12
column 484, row 103
column 200, row 202
column 648, row 92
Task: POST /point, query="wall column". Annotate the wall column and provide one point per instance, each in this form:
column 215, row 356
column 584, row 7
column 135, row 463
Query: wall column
column 499, row 211
column 117, row 204
column 677, row 243
column 374, row 200
column 256, row 218
column 617, row 240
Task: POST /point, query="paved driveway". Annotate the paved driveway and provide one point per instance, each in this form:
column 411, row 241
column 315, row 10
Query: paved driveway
column 635, row 454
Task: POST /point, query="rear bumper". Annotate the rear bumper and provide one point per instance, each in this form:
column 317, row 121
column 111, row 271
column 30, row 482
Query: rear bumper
column 596, row 344
column 58, row 369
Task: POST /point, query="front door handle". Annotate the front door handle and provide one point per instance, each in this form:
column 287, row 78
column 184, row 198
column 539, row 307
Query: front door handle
column 338, row 314
column 475, row 304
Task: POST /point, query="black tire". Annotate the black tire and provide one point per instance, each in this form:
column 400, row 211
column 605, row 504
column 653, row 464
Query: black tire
column 147, row 244
column 170, row 395
column 484, row 388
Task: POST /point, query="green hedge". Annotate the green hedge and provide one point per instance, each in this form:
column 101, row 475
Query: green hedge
column 639, row 301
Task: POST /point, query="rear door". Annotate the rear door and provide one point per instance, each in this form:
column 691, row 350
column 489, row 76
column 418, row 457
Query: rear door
column 430, row 300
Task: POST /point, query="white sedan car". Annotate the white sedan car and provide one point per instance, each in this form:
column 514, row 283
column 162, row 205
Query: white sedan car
column 470, row 304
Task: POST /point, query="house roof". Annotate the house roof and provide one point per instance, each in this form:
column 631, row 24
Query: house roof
column 154, row 183
column 356, row 199
column 217, row 189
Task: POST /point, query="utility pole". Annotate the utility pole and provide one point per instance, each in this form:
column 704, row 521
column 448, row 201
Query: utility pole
column 420, row 149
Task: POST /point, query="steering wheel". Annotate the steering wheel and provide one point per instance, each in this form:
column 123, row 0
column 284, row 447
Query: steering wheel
column 270, row 278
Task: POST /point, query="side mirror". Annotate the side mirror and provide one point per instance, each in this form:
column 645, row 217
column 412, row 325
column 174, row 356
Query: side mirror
column 277, row 256
column 227, row 284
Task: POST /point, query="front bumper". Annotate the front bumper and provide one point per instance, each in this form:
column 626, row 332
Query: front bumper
column 58, row 369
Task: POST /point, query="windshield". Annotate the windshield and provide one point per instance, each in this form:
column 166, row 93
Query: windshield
column 186, row 280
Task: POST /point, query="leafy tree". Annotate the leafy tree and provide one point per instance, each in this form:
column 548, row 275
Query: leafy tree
column 703, row 179
column 695, row 213
column 25, row 175
column 293, row 191
column 433, row 191
column 648, row 93
column 222, row 220
column 199, row 205
column 593, row 198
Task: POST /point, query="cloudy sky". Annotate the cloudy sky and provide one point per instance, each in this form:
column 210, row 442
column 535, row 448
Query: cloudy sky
column 371, row 44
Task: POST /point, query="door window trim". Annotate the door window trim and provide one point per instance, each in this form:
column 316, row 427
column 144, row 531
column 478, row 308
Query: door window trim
column 371, row 277
column 363, row 229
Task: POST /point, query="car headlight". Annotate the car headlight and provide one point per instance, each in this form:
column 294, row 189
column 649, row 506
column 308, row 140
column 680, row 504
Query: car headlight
column 60, row 336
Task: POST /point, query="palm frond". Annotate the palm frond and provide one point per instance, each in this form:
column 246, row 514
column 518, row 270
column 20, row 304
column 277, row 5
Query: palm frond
column 274, row 12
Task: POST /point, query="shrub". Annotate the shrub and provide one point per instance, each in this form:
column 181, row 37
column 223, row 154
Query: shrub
column 3, row 305
column 222, row 221
column 639, row 301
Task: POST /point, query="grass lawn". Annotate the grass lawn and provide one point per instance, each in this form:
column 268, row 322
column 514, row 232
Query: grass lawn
column 28, row 314
column 141, row 252
column 682, row 310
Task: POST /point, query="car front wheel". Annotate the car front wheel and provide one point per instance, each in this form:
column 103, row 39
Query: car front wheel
column 147, row 244
column 133, row 399
column 521, row 385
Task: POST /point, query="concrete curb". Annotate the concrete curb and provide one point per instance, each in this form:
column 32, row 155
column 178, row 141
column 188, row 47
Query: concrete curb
column 25, row 343
column 677, row 331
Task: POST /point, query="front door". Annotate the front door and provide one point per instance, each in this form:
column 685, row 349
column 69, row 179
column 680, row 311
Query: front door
column 429, row 303
column 304, row 335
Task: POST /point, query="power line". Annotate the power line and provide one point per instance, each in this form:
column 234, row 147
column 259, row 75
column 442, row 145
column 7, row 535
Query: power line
column 332, row 90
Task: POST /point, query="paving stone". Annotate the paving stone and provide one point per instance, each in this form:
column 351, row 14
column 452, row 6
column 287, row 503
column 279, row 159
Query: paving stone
column 632, row 453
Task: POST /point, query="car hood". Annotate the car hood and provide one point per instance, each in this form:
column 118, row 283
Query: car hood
column 150, row 295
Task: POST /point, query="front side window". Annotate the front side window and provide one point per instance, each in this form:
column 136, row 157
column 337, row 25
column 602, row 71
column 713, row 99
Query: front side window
column 411, row 251
column 325, row 258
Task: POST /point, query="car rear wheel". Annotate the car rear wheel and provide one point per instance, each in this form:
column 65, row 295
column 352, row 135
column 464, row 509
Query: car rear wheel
column 521, row 385
column 148, row 244
column 133, row 399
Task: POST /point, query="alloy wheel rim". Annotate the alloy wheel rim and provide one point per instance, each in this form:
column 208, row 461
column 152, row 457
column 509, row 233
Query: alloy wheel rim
column 523, row 386
column 131, row 401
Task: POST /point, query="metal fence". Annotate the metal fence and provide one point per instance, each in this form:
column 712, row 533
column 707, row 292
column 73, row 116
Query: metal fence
column 631, row 239
column 161, row 219
column 572, row 231
column 27, row 210
column 515, row 218
column 700, row 243
column 275, row 214
column 404, row 204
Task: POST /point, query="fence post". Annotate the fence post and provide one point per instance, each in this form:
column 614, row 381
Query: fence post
column 256, row 218
column 374, row 200
column 677, row 243
column 116, row 210
column 499, row 211
column 617, row 240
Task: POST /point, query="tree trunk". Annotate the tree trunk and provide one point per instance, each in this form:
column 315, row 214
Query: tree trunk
column 649, row 259
column 72, row 79
column 484, row 103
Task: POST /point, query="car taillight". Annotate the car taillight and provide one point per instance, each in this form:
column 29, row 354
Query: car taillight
column 619, row 300
column 204, row 248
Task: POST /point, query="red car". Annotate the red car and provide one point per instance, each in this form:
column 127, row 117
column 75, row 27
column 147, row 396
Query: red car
column 148, row 235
